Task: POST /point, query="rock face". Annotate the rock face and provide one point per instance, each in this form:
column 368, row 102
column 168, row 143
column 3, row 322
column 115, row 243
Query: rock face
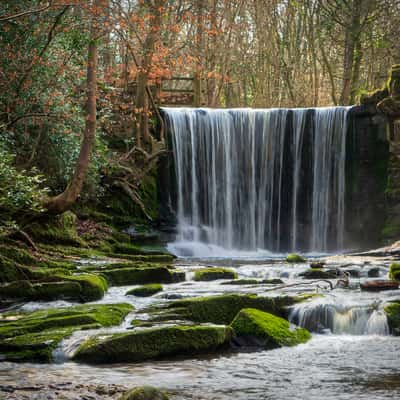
column 267, row 330
column 34, row 336
column 212, row 274
column 387, row 102
column 144, row 393
column 153, row 344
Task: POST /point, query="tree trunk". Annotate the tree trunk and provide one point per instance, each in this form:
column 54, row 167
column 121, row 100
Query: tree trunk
column 65, row 200
column 142, row 102
column 352, row 37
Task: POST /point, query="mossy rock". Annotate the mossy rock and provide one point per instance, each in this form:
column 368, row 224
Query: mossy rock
column 394, row 271
column 46, row 291
column 139, row 276
column 318, row 273
column 34, row 336
column 392, row 311
column 154, row 343
column 144, row 393
column 253, row 282
column 295, row 258
column 266, row 330
column 93, row 287
column 145, row 291
column 59, row 229
column 222, row 309
column 212, row 274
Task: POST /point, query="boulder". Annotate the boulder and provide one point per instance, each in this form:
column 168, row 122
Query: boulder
column 295, row 258
column 264, row 329
column 212, row 274
column 317, row 273
column 154, row 343
column 84, row 287
column 144, row 393
column 145, row 291
column 222, row 309
column 139, row 276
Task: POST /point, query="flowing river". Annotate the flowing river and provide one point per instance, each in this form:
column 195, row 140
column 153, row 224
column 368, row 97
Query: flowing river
column 350, row 356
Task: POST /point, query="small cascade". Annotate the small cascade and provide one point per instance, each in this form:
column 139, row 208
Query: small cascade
column 337, row 318
column 259, row 180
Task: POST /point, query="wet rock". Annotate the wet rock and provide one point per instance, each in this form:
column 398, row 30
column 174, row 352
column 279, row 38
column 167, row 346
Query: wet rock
column 34, row 336
column 352, row 272
column 317, row 273
column 295, row 258
column 145, row 291
column 318, row 264
column 374, row 272
column 269, row 331
column 85, row 287
column 139, row 276
column 144, row 393
column 153, row 344
column 379, row 285
column 212, row 274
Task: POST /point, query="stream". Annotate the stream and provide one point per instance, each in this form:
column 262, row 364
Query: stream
column 350, row 356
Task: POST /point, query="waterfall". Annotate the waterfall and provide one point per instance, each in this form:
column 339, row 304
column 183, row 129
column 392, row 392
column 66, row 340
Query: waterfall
column 251, row 180
column 339, row 318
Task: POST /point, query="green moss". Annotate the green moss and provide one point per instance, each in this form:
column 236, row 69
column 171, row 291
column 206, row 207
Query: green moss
column 10, row 271
column 269, row 330
column 295, row 258
column 93, row 286
column 392, row 311
column 60, row 229
column 223, row 309
column 318, row 273
column 153, row 344
column 25, row 290
column 394, row 271
column 19, row 255
column 138, row 276
column 212, row 274
column 145, row 291
column 391, row 229
column 144, row 393
column 33, row 336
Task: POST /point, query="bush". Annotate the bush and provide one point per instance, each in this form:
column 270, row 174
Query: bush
column 20, row 193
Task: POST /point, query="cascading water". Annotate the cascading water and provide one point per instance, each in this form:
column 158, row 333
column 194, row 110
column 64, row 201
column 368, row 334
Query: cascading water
column 341, row 318
column 251, row 180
